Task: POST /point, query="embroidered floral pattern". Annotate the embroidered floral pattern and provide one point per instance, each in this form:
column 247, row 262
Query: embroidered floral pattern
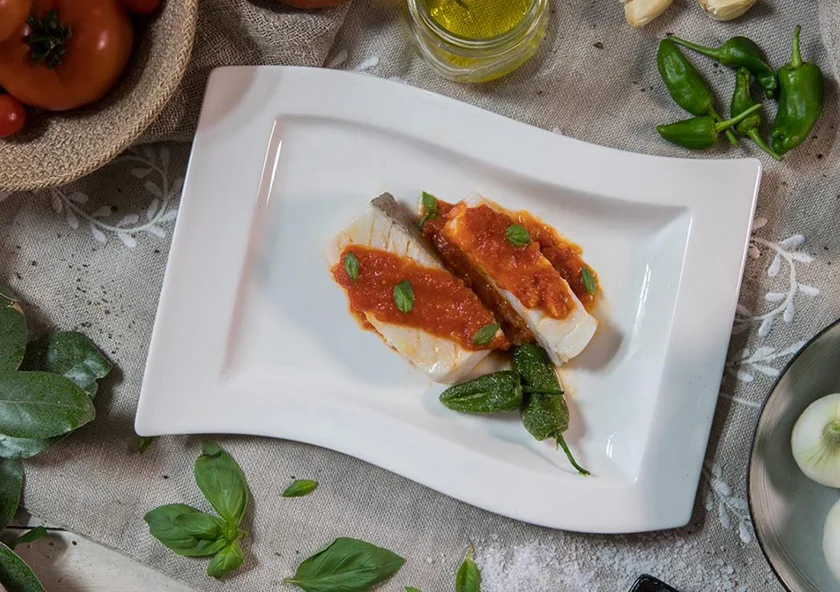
column 729, row 507
column 152, row 167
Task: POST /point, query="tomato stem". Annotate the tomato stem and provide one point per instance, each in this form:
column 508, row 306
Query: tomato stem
column 48, row 39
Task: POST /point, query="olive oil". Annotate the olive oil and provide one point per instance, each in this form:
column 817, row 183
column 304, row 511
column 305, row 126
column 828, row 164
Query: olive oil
column 478, row 19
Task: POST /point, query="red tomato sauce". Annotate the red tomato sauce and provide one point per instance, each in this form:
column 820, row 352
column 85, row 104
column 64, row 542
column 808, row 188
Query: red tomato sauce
column 443, row 305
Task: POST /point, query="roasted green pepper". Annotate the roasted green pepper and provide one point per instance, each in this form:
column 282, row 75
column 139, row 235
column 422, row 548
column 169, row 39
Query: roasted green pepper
column 741, row 101
column 500, row 391
column 700, row 132
column 544, row 410
column 684, row 83
column 800, row 101
column 535, row 370
column 739, row 52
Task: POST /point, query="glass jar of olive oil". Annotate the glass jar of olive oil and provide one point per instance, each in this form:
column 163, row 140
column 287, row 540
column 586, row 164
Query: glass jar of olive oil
column 477, row 40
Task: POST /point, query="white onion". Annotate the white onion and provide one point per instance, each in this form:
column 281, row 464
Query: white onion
column 831, row 540
column 815, row 441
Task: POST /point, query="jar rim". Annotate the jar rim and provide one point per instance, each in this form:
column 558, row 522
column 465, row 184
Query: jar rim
column 418, row 9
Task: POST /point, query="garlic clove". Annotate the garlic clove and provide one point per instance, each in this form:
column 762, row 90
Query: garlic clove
column 815, row 441
column 640, row 12
column 726, row 10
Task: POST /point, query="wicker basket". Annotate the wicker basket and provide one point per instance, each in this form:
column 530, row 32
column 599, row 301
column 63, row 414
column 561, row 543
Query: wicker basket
column 56, row 148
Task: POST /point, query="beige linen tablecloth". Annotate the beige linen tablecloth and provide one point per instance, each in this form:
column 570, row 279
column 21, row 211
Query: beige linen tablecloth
column 91, row 257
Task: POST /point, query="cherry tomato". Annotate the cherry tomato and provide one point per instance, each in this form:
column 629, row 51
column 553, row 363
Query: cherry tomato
column 12, row 116
column 13, row 14
column 141, row 6
column 35, row 70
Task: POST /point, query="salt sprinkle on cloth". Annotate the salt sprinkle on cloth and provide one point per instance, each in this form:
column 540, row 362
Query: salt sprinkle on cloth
column 92, row 256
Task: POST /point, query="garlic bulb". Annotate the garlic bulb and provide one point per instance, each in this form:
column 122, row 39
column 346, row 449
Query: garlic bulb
column 815, row 441
column 726, row 10
column 640, row 12
column 831, row 540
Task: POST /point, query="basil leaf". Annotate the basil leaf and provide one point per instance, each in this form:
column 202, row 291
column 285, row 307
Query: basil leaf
column 41, row 405
column 404, row 297
column 12, row 331
column 11, row 481
column 200, row 525
column 15, row 575
column 225, row 561
column 145, row 442
column 33, row 535
column 70, row 354
column 300, row 487
column 412, row 589
column 24, row 447
column 221, row 481
column 468, row 578
column 351, row 266
column 486, row 334
column 430, row 208
column 162, row 526
column 588, row 281
column 349, row 565
column 517, row 236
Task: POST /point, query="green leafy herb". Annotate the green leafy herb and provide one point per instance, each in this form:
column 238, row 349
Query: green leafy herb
column 349, row 565
column 404, row 297
column 15, row 575
column 517, row 236
column 412, row 589
column 33, row 535
column 69, row 354
column 13, row 331
column 145, row 442
column 300, row 487
column 221, row 481
column 430, row 208
column 588, row 281
column 24, row 447
column 492, row 393
column 164, row 526
column 41, row 405
column 351, row 266
column 225, row 561
column 468, row 578
column 486, row 334
column 201, row 525
column 11, row 482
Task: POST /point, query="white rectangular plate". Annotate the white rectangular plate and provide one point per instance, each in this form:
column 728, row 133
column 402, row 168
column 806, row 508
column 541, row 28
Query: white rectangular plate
column 253, row 337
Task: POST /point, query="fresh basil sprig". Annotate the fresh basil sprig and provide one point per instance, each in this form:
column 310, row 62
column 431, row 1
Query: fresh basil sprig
column 404, row 297
column 485, row 335
column 517, row 236
column 468, row 578
column 15, row 574
column 412, row 589
column 588, row 281
column 11, row 483
column 351, row 266
column 430, row 208
column 349, row 565
column 36, row 534
column 192, row 533
column 300, row 487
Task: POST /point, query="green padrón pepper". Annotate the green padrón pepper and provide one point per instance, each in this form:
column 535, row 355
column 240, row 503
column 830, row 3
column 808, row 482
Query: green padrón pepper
column 547, row 416
column 493, row 393
column 800, row 100
column 741, row 101
column 700, row 132
column 739, row 52
column 685, row 85
column 535, row 370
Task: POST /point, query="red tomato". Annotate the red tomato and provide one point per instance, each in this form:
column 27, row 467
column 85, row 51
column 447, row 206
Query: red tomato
column 13, row 13
column 95, row 53
column 141, row 6
column 12, row 116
